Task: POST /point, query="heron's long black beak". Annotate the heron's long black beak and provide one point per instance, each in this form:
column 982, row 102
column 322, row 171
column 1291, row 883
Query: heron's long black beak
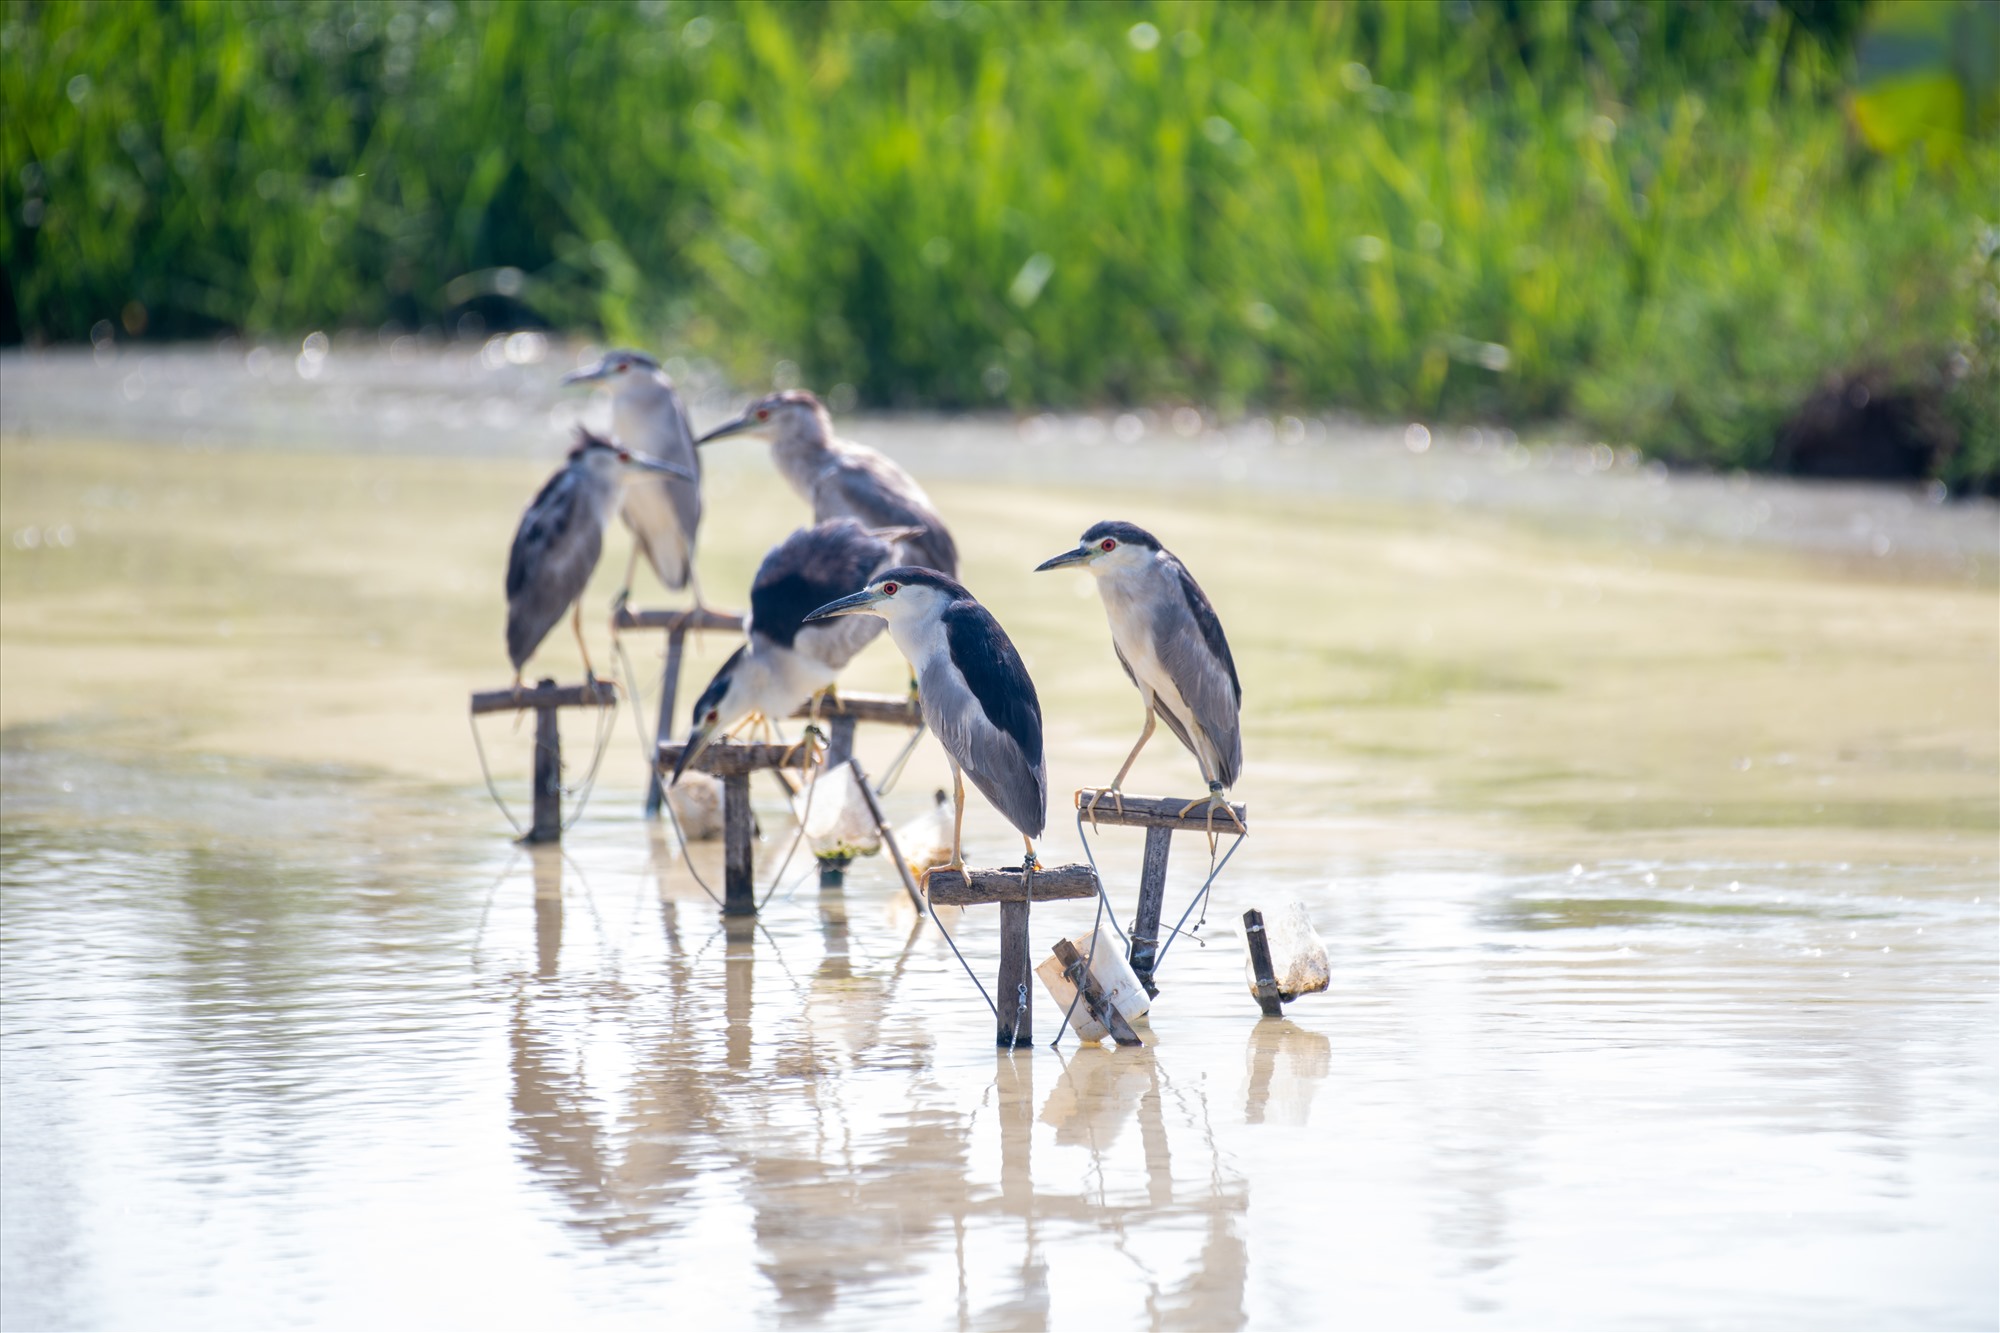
column 1076, row 557
column 651, row 464
column 851, row 605
column 585, row 374
column 698, row 740
column 736, row 427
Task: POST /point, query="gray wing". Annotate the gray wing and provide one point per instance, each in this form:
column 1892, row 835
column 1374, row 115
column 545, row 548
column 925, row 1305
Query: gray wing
column 987, row 717
column 866, row 485
column 1197, row 658
column 555, row 549
column 664, row 513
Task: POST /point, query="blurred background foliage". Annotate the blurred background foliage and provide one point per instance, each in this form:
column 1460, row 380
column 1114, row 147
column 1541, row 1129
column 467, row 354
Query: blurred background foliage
column 1682, row 225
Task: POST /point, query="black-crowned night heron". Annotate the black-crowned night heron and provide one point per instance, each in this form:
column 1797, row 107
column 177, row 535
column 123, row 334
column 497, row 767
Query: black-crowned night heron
column 974, row 691
column 841, row 479
column 787, row 661
column 647, row 417
column 1170, row 643
column 560, row 537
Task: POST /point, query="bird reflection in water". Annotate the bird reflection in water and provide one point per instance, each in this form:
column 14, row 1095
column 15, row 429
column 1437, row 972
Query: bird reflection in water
column 865, row 1163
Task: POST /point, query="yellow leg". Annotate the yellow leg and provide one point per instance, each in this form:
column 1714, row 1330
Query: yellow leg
column 1118, row 797
column 576, row 623
column 1033, row 862
column 957, row 820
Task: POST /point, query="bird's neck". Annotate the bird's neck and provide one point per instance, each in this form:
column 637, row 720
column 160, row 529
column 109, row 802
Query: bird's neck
column 801, row 455
column 641, row 416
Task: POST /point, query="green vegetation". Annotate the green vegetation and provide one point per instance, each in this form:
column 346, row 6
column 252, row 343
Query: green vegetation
column 1651, row 220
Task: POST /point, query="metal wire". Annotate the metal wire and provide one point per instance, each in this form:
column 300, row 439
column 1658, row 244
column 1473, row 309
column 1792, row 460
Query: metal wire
column 605, row 727
column 1201, row 896
column 1103, row 901
column 486, row 771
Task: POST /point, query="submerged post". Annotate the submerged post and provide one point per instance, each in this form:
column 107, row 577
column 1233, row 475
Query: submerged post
column 739, row 893
column 545, row 698
column 670, row 684
column 1013, row 889
column 1260, row 964
column 734, row 763
column 1016, row 997
column 547, row 826
column 1152, row 894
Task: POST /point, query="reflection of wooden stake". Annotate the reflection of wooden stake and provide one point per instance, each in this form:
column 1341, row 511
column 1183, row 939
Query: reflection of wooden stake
column 1152, row 894
column 1260, row 964
column 1075, row 967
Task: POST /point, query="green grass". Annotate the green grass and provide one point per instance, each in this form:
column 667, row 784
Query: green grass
column 1650, row 220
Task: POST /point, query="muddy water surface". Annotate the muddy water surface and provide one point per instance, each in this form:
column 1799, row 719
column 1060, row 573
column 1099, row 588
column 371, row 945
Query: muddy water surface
column 1650, row 823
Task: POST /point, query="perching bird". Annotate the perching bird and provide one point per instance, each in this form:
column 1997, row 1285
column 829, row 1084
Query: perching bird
column 647, row 417
column 786, row 662
column 1170, row 643
column 841, row 479
column 560, row 537
column 974, row 691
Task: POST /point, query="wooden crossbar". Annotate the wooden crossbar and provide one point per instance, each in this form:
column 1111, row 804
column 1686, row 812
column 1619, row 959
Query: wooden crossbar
column 1159, row 812
column 693, row 618
column 897, row 709
column 975, row 888
column 591, row 694
column 728, row 759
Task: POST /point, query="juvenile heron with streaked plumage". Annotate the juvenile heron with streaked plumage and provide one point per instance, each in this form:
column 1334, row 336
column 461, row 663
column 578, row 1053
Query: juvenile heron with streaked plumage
column 974, row 691
column 560, row 538
column 842, row 479
column 663, row 512
column 1170, row 642
column 786, row 662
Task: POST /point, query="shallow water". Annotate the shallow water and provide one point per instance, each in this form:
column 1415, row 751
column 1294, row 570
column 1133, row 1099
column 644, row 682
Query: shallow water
column 1655, row 850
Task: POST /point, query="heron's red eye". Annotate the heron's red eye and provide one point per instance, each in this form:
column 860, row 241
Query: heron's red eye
column 1106, row 545
column 621, row 367
column 888, row 590
column 763, row 414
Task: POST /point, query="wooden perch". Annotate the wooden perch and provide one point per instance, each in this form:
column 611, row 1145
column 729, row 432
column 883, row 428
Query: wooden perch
column 899, row 709
column 693, row 618
column 591, row 694
column 726, row 759
column 975, row 888
column 1160, row 812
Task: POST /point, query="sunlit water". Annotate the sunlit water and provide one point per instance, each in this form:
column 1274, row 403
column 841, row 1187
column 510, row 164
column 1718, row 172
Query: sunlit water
column 1650, row 824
